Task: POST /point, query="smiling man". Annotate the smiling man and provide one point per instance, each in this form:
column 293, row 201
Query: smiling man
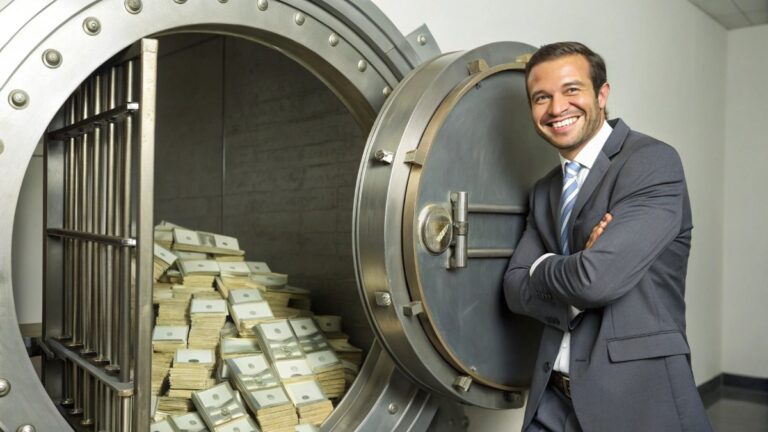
column 602, row 263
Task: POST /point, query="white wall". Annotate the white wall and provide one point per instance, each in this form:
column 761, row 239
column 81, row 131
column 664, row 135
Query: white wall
column 666, row 64
column 745, row 248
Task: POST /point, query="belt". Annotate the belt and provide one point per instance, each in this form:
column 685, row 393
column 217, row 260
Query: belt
column 561, row 382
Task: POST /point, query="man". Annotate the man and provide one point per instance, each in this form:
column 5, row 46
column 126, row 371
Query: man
column 602, row 263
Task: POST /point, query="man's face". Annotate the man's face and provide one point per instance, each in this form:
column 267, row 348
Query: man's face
column 565, row 109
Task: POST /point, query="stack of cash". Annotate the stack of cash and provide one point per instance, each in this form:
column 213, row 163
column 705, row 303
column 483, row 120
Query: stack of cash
column 164, row 234
column 347, row 351
column 322, row 360
column 192, row 370
column 351, row 357
column 198, row 273
column 218, row 405
column 187, row 292
column 263, row 393
column 248, row 308
column 161, row 363
column 243, row 424
column 190, row 422
column 199, row 241
column 311, row 404
column 169, row 338
column 278, row 341
column 170, row 406
column 233, row 347
column 330, row 325
column 163, row 260
column 208, row 317
column 161, row 291
column 173, row 312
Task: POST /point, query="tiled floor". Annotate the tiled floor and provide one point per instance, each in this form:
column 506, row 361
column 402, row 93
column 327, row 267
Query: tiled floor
column 737, row 410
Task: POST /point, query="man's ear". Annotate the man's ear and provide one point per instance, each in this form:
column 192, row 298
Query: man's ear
column 602, row 95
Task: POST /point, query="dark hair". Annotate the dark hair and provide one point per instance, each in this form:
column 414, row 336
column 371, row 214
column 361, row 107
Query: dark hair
column 597, row 73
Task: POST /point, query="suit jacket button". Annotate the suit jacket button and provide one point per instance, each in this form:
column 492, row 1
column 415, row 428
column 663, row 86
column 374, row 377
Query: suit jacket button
column 547, row 366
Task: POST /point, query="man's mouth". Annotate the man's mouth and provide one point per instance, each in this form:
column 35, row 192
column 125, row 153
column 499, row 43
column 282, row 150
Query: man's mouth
column 561, row 124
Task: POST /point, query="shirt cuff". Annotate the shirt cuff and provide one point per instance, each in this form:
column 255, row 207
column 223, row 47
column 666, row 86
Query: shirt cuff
column 537, row 262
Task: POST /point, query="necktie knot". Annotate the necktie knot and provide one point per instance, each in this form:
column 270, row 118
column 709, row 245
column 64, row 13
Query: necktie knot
column 572, row 169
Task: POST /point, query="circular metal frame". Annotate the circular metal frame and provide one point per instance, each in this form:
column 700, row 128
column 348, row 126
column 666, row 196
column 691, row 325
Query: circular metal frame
column 358, row 33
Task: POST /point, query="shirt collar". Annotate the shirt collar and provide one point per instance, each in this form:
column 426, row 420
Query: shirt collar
column 587, row 156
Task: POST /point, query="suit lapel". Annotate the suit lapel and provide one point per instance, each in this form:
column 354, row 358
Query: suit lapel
column 597, row 172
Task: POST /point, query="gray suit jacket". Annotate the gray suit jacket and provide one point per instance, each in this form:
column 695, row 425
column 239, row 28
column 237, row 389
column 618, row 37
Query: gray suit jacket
column 630, row 360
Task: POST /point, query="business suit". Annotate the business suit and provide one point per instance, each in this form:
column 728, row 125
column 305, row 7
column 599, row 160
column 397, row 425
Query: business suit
column 629, row 359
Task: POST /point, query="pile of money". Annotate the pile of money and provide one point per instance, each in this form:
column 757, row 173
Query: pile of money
column 311, row 404
column 321, row 358
column 199, row 241
column 170, row 406
column 173, row 312
column 169, row 338
column 192, row 370
column 263, row 393
column 208, row 317
column 164, row 234
column 234, row 347
column 161, row 426
column 199, row 272
column 161, row 291
column 190, row 422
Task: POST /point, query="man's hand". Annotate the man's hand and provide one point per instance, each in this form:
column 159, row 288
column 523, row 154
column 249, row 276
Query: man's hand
column 597, row 231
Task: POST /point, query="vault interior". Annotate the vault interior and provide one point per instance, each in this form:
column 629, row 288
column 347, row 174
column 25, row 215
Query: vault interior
column 252, row 145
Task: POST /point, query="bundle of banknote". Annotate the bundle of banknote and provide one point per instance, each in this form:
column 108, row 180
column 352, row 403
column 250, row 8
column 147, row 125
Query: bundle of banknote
column 248, row 308
column 190, row 422
column 170, row 406
column 161, row 291
column 278, row 341
column 324, row 363
column 218, row 405
column 169, row 338
column 163, row 260
column 312, row 406
column 263, row 392
column 198, row 273
column 164, row 234
column 234, row 347
column 199, row 241
column 161, row 426
column 173, row 312
column 192, row 370
column 207, row 317
column 161, row 364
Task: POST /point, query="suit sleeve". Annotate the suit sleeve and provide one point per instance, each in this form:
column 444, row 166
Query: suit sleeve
column 647, row 213
column 517, row 290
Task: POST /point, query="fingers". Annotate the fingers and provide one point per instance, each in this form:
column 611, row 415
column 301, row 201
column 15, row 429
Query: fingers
column 598, row 230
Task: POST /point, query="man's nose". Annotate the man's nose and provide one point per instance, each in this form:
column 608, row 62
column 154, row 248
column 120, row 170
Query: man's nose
column 558, row 104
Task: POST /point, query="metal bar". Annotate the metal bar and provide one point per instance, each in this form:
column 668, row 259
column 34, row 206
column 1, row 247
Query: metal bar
column 88, row 399
column 145, row 235
column 87, row 125
column 459, row 203
column 121, row 388
column 111, row 323
column 489, row 253
column 125, row 414
column 68, row 397
column 125, row 242
column 77, row 404
column 125, row 229
column 498, row 209
column 87, row 224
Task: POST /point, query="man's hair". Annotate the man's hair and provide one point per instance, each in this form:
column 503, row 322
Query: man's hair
column 597, row 73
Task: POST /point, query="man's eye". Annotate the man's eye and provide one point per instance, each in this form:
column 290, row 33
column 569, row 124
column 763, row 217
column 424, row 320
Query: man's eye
column 540, row 99
column 571, row 90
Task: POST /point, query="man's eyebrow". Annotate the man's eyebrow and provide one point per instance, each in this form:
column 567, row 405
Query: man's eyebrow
column 577, row 83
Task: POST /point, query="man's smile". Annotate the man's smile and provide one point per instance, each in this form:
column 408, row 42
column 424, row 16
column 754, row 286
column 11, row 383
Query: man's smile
column 564, row 124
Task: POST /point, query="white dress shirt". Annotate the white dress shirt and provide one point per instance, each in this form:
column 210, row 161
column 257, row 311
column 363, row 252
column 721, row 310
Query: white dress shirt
column 586, row 158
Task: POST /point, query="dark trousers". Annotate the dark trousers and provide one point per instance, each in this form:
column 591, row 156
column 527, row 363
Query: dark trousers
column 555, row 413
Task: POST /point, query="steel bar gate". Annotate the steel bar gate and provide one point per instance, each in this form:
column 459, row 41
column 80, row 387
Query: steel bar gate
column 97, row 307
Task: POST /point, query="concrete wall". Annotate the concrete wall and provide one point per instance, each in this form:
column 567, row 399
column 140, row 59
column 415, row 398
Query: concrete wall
column 666, row 64
column 745, row 248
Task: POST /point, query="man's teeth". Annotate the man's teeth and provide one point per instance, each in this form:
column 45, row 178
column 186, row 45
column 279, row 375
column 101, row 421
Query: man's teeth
column 564, row 123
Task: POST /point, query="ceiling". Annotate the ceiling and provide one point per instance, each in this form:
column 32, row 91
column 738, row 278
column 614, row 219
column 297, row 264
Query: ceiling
column 733, row 14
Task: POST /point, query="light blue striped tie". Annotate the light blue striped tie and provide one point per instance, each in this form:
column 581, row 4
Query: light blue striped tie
column 567, row 201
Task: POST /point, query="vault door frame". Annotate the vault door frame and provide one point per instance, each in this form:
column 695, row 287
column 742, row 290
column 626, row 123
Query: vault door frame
column 99, row 169
column 50, row 47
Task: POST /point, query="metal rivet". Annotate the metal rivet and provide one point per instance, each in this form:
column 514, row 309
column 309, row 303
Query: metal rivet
column 26, row 428
column 52, row 58
column 92, row 26
column 299, row 18
column 385, row 156
column 393, row 408
column 387, row 91
column 180, row 1
column 5, row 386
column 2, row 149
column 18, row 99
column 362, row 65
column 421, row 39
column 333, row 39
column 223, row 1
column 383, row 298
column 133, row 6
column 262, row 4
